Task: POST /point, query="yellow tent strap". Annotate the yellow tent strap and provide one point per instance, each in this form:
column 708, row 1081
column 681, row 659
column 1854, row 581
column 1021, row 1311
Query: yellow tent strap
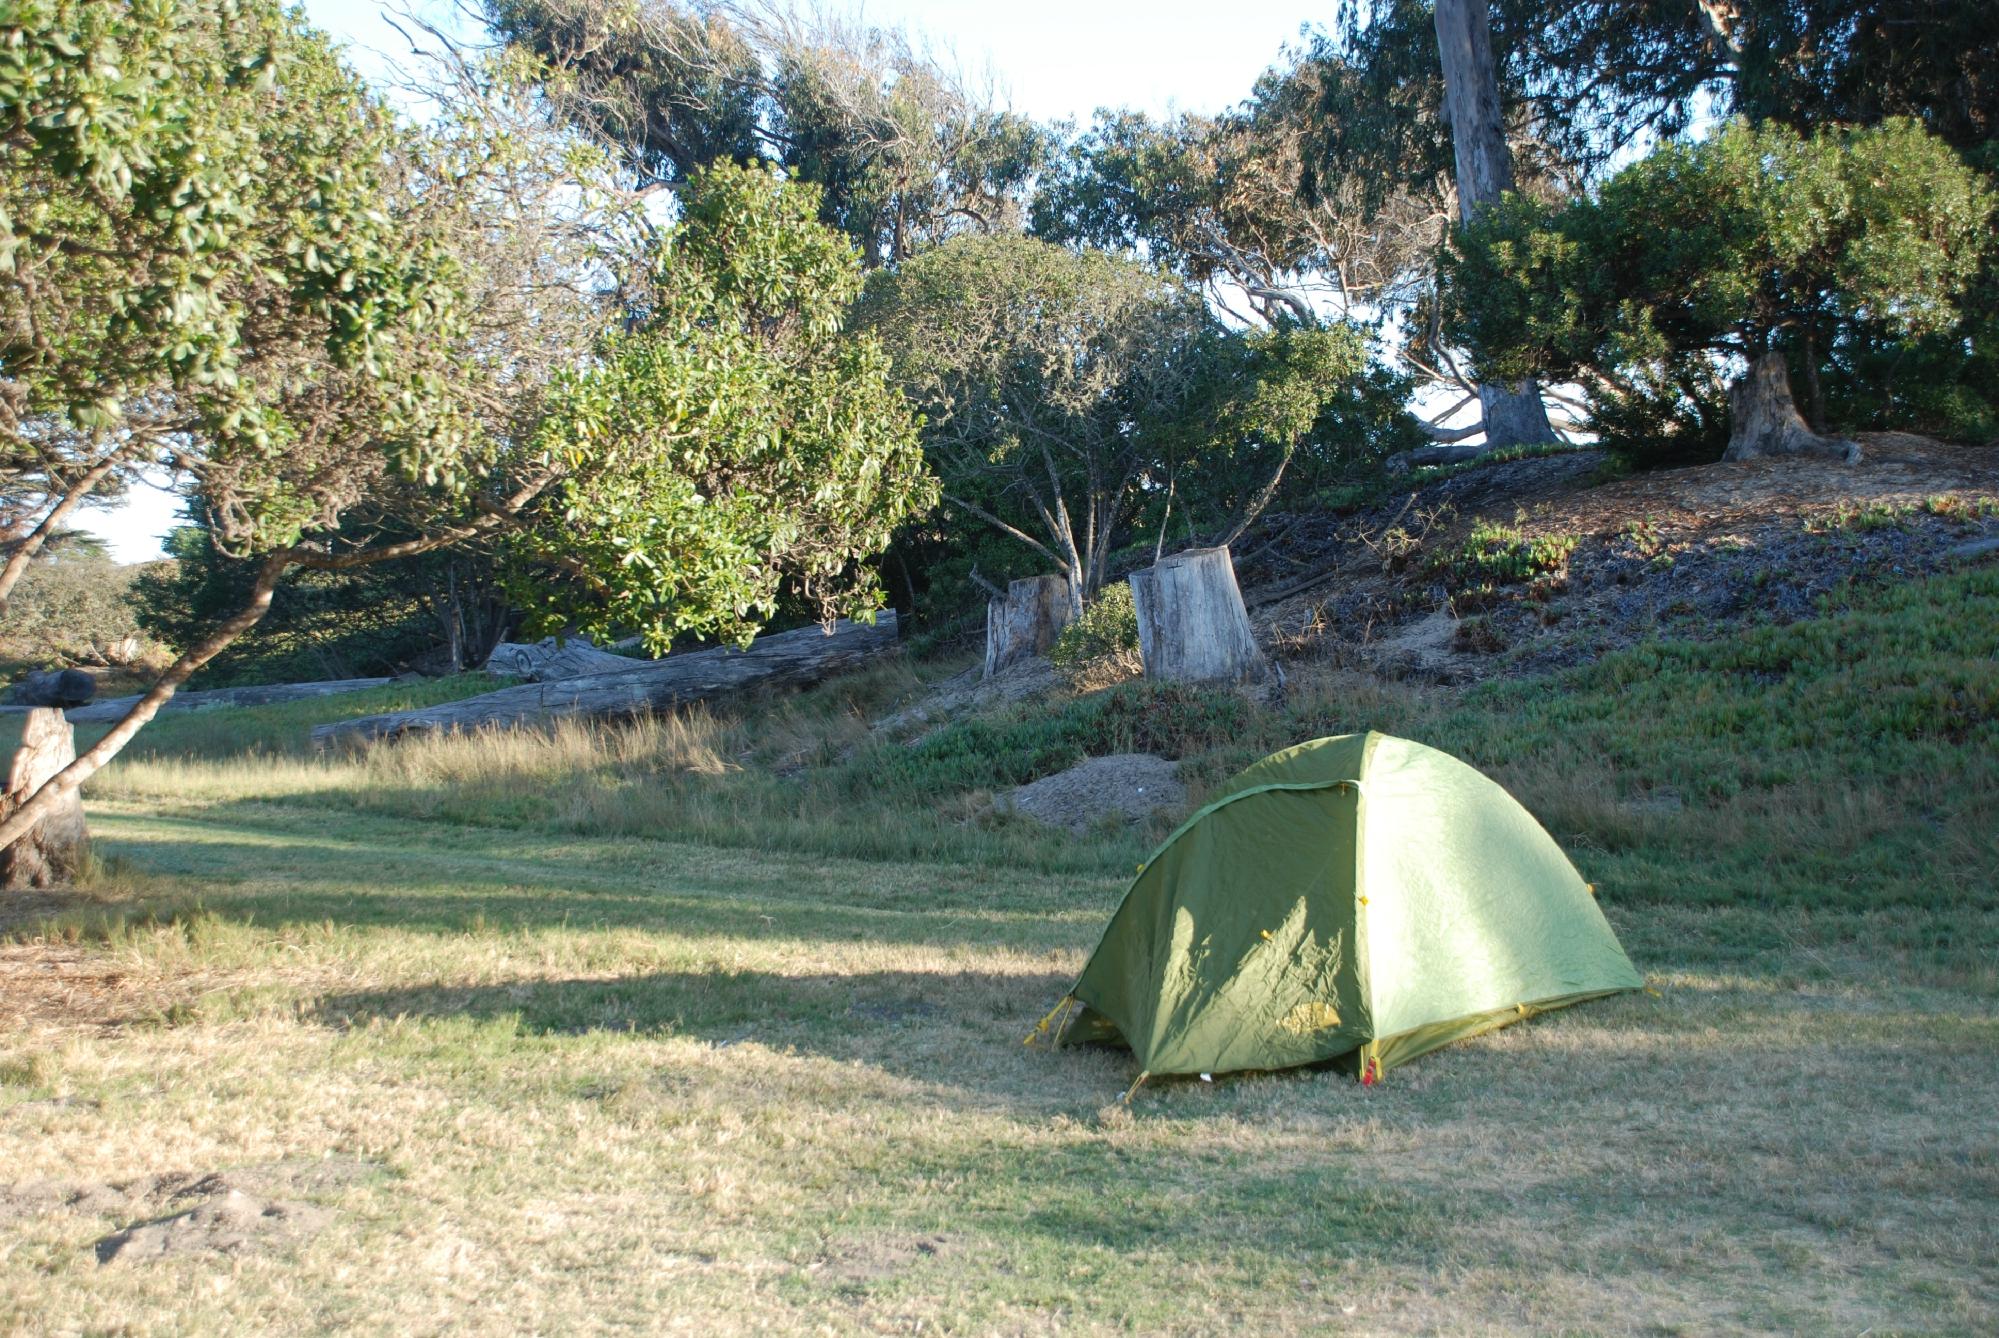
column 1042, row 1026
column 1132, row 1090
column 1068, row 1016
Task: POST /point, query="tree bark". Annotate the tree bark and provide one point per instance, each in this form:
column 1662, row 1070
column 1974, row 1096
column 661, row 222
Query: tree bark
column 1192, row 626
column 786, row 659
column 1026, row 622
column 1766, row 421
column 53, row 848
column 1513, row 416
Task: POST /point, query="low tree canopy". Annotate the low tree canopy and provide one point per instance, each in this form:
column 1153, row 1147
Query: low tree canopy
column 1758, row 239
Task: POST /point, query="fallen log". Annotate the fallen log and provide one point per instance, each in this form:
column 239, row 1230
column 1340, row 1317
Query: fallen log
column 52, row 851
column 55, row 687
column 114, row 708
column 786, row 659
column 545, row 661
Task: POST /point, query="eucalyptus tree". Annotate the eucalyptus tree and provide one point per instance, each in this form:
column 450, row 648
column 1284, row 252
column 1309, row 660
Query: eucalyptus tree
column 906, row 151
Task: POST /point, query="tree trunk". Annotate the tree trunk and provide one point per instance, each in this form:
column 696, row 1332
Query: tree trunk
column 785, row 659
column 1515, row 416
column 1027, row 621
column 63, row 786
column 24, row 552
column 1766, row 419
column 1192, row 626
column 53, row 849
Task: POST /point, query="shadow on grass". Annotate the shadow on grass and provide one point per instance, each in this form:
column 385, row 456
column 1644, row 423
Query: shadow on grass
column 376, row 873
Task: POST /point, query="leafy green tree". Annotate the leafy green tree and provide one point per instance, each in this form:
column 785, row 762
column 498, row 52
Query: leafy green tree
column 1756, row 241
column 1064, row 389
column 223, row 247
column 736, row 442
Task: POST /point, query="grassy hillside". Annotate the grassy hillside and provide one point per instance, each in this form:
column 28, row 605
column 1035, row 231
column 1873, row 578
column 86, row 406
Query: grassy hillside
column 715, row 1024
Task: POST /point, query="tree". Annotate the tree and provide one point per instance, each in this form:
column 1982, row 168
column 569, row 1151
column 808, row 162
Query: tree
column 1036, row 368
column 1512, row 416
column 1064, row 389
column 1757, row 243
column 735, row 442
column 357, row 323
column 904, row 152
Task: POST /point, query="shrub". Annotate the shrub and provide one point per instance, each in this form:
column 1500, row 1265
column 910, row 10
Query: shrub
column 1104, row 640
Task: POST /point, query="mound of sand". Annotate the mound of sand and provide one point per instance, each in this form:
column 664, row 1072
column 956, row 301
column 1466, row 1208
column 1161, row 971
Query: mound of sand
column 1123, row 786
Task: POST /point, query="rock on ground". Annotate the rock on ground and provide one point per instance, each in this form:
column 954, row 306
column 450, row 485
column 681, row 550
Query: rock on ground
column 1125, row 786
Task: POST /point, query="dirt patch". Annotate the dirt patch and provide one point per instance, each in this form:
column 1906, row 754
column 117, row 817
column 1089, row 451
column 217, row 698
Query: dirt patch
column 967, row 692
column 232, row 1222
column 230, row 1211
column 1124, row 787
column 880, row 1258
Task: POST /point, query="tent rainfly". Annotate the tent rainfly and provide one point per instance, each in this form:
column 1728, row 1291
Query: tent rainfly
column 1357, row 895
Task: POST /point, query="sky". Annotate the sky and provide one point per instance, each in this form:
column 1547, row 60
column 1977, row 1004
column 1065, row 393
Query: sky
column 1046, row 59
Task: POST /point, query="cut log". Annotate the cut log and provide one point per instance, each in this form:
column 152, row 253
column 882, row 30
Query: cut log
column 265, row 694
column 53, row 850
column 1027, row 622
column 1192, row 626
column 1765, row 419
column 787, row 659
column 545, row 661
column 55, row 687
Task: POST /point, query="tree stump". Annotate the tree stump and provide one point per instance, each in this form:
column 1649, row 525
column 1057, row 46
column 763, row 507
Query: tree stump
column 1192, row 626
column 1766, row 421
column 1027, row 621
column 53, row 850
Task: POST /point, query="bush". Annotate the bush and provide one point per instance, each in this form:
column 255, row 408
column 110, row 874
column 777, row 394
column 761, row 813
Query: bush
column 75, row 608
column 1105, row 637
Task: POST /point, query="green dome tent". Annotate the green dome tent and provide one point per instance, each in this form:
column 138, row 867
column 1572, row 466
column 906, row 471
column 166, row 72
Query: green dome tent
column 1360, row 893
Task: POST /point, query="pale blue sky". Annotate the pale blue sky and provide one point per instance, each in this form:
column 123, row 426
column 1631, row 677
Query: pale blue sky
column 1046, row 58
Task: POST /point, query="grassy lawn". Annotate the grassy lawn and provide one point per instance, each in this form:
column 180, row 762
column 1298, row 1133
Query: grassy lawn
column 577, row 1035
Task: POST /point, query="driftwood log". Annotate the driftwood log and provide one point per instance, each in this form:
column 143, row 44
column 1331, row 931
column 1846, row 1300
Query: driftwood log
column 55, row 687
column 1764, row 419
column 1192, row 626
column 787, row 659
column 545, row 661
column 54, row 849
column 1026, row 622
column 114, row 708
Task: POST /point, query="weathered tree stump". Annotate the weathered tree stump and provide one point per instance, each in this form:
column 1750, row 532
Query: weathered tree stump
column 1766, row 421
column 55, row 687
column 54, row 849
column 1192, row 626
column 1027, row 621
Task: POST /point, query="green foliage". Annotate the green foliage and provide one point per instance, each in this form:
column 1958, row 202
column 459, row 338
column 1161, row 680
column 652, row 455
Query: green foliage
column 1754, row 238
column 194, row 190
column 361, row 622
column 903, row 154
column 1494, row 555
column 1107, row 630
column 73, row 607
column 734, row 444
